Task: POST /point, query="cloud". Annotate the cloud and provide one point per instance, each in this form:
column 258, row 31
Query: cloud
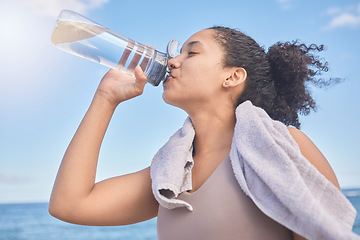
column 347, row 16
column 285, row 4
column 14, row 179
column 52, row 8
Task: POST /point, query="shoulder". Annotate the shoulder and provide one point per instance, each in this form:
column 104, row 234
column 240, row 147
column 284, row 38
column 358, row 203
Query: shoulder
column 313, row 155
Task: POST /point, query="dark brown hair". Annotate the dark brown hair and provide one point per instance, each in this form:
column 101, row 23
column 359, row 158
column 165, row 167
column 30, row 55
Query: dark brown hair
column 276, row 80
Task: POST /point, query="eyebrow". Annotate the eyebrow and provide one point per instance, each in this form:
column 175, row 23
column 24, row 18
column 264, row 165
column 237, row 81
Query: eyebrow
column 190, row 44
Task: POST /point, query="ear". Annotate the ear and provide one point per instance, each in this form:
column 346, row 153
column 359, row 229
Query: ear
column 237, row 77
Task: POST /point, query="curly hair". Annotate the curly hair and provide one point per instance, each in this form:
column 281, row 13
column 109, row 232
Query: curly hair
column 277, row 79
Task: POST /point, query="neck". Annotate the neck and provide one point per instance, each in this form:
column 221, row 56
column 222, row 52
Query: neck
column 214, row 130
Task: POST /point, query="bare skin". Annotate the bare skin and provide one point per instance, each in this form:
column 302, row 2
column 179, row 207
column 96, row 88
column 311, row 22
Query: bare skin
column 196, row 77
column 117, row 201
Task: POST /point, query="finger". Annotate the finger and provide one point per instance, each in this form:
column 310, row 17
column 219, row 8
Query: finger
column 140, row 77
column 145, row 44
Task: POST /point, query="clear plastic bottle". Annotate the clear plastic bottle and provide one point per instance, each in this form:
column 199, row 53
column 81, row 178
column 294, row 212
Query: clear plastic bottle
column 80, row 36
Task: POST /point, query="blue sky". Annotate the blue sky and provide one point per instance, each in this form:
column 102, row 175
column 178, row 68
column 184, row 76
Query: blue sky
column 44, row 92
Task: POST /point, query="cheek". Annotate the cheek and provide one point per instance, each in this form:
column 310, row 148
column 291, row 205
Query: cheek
column 206, row 66
column 194, row 73
column 197, row 81
column 207, row 76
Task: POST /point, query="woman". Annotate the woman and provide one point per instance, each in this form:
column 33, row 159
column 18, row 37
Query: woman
column 218, row 69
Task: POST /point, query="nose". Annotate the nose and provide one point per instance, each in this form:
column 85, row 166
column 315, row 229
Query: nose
column 173, row 63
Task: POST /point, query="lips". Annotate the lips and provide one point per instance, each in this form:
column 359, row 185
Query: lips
column 166, row 82
column 169, row 76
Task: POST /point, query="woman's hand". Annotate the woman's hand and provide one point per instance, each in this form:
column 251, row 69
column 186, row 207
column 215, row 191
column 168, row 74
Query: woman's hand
column 117, row 86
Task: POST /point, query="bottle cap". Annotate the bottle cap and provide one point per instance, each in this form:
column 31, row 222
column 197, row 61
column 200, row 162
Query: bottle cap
column 173, row 48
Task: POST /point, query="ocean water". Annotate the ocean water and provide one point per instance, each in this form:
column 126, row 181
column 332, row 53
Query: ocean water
column 33, row 222
column 354, row 197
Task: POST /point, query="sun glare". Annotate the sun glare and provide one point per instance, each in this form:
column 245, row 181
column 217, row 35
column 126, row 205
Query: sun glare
column 22, row 50
column 14, row 27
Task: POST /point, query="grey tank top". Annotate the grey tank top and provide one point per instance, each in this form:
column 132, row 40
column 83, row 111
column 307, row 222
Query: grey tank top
column 221, row 211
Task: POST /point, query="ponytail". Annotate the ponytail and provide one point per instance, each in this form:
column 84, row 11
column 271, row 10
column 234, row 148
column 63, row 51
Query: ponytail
column 292, row 65
column 277, row 80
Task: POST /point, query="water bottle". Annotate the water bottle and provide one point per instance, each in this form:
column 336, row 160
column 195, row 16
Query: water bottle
column 80, row 36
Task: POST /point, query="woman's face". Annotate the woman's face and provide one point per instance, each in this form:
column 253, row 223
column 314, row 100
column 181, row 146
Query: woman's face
column 197, row 74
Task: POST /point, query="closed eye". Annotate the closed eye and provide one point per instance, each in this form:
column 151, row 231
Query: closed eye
column 192, row 53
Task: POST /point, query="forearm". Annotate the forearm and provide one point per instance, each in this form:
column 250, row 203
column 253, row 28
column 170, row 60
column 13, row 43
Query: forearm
column 76, row 176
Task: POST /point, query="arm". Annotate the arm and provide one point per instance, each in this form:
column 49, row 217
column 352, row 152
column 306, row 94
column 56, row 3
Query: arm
column 315, row 157
column 117, row 201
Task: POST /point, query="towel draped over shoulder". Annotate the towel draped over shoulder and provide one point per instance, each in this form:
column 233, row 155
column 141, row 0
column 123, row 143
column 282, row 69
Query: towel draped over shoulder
column 269, row 168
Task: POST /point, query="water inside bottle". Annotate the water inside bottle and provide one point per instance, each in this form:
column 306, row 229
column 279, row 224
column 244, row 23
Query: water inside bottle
column 105, row 46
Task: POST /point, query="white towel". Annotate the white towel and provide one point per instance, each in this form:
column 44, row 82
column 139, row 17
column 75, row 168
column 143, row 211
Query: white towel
column 270, row 169
column 171, row 168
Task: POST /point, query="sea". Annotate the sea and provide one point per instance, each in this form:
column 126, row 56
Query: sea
column 31, row 221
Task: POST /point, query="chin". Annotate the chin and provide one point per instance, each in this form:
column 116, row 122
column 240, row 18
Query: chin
column 166, row 97
column 170, row 99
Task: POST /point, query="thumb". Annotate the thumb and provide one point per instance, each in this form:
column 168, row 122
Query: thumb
column 140, row 77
